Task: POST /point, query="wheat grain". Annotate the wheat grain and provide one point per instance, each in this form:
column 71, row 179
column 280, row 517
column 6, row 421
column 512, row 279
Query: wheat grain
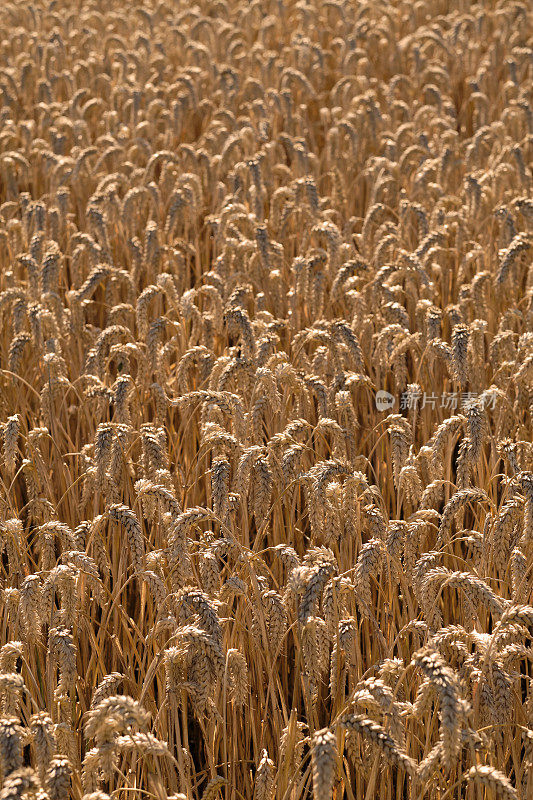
column 494, row 779
column 324, row 756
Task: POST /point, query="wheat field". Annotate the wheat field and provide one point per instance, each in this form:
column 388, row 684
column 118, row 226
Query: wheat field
column 266, row 383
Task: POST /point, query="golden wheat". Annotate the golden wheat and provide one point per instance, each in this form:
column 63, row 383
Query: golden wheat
column 266, row 381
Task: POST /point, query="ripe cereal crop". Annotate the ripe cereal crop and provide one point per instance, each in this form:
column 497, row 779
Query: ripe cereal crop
column 266, row 383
